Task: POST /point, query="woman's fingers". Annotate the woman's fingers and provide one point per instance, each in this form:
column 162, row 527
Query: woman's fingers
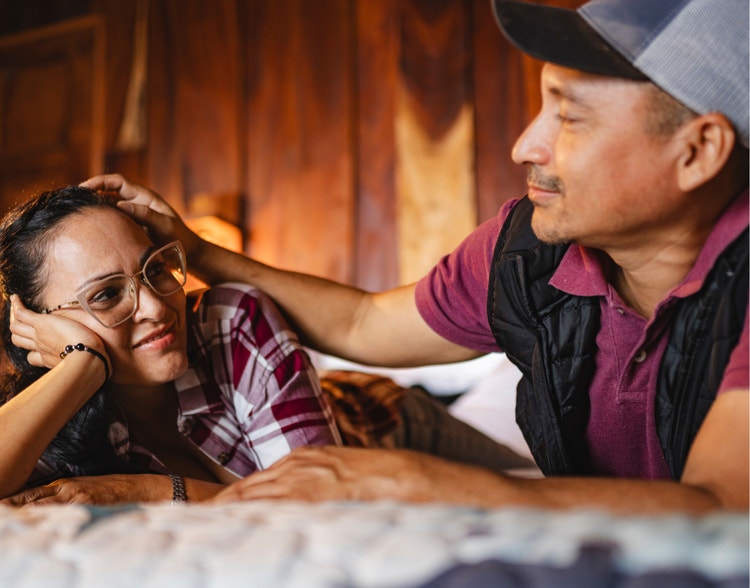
column 32, row 496
column 44, row 336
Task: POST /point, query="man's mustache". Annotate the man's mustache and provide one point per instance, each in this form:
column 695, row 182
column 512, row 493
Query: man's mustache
column 536, row 178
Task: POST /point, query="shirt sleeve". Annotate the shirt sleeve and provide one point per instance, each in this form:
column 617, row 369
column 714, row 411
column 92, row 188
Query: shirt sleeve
column 44, row 472
column 736, row 372
column 452, row 298
column 276, row 390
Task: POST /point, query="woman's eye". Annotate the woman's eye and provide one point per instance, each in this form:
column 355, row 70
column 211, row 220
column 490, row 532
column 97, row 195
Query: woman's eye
column 156, row 270
column 105, row 296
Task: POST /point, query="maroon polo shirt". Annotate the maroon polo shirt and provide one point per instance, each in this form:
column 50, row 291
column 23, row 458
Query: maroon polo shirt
column 452, row 300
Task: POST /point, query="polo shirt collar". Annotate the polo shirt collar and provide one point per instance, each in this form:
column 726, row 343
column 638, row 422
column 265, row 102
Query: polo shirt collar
column 582, row 271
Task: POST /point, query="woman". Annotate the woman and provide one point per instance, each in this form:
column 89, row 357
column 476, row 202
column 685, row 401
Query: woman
column 124, row 390
column 98, row 330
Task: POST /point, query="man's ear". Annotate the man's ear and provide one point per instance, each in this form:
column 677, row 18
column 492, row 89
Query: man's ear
column 707, row 141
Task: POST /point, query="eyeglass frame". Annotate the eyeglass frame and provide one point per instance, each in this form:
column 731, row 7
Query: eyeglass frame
column 81, row 303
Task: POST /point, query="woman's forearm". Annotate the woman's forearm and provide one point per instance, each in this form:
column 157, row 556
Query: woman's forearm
column 30, row 420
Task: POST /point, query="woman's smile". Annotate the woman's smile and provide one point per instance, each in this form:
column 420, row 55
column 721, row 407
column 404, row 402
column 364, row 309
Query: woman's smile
column 158, row 339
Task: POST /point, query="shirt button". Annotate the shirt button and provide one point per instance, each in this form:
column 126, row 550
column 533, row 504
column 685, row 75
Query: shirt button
column 186, row 425
column 223, row 458
column 640, row 357
column 620, row 310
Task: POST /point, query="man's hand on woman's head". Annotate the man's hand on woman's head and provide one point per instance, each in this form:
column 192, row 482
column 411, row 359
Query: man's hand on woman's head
column 148, row 209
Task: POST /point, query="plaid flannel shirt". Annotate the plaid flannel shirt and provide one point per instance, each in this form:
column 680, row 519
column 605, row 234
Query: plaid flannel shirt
column 250, row 395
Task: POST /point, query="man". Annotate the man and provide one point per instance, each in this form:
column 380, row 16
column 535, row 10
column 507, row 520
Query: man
column 619, row 286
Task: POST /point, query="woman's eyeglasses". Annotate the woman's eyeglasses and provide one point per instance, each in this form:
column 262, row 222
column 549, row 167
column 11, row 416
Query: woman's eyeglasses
column 114, row 299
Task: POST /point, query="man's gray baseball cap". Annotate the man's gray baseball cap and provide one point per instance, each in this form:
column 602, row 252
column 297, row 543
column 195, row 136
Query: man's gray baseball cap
column 695, row 50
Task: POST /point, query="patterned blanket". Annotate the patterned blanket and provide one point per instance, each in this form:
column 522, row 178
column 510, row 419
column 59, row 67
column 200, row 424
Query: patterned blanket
column 279, row 544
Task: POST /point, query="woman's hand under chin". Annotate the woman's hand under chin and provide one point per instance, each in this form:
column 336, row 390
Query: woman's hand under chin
column 44, row 336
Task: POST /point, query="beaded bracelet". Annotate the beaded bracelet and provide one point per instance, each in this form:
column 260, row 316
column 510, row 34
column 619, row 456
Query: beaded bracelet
column 81, row 347
column 178, row 489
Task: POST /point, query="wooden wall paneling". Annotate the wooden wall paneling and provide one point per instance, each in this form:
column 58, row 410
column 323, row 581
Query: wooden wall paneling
column 51, row 108
column 434, row 133
column 126, row 49
column 532, row 68
column 17, row 16
column 300, row 135
column 196, row 143
column 502, row 112
column 506, row 84
column 378, row 46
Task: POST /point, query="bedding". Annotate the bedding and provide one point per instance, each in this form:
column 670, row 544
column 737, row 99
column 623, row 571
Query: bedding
column 385, row 544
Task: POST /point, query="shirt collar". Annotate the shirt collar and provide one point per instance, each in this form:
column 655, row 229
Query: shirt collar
column 197, row 389
column 731, row 223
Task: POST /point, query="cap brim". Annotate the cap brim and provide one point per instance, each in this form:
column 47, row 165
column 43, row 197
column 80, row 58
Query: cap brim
column 562, row 37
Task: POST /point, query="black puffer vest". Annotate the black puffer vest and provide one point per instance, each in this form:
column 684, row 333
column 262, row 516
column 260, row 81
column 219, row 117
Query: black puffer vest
column 551, row 337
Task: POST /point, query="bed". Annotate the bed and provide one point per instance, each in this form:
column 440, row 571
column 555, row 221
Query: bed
column 379, row 545
column 386, row 544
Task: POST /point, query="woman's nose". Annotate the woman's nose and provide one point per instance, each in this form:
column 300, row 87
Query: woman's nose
column 149, row 304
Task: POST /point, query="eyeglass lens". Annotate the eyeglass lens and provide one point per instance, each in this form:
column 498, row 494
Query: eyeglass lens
column 113, row 300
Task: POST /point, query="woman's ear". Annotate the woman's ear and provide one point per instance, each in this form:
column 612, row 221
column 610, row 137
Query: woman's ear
column 707, row 141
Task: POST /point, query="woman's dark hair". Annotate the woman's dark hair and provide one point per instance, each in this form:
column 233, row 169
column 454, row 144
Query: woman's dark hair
column 82, row 446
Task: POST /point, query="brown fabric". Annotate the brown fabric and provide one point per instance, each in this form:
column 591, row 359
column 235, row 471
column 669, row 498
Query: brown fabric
column 367, row 407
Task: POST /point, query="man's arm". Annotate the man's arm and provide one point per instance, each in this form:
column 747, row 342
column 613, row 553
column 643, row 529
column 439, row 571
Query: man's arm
column 716, row 477
column 379, row 329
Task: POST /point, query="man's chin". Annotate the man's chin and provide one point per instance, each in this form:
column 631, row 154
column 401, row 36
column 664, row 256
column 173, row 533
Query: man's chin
column 548, row 235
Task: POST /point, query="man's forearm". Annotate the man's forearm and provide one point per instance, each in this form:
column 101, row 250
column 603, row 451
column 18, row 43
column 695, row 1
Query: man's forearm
column 383, row 329
column 346, row 473
column 619, row 496
column 322, row 311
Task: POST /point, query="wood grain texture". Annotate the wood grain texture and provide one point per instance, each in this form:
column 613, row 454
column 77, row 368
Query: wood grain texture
column 51, row 100
column 195, row 99
column 356, row 139
column 299, row 130
column 434, row 135
column 378, row 38
column 502, row 112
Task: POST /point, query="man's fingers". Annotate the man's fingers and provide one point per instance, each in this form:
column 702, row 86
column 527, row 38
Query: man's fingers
column 140, row 213
column 107, row 183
